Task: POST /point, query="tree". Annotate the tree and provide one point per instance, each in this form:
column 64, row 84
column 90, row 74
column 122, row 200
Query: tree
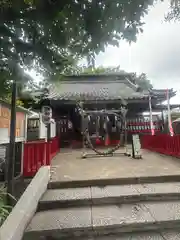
column 141, row 80
column 174, row 13
column 50, row 35
column 6, row 80
column 5, row 83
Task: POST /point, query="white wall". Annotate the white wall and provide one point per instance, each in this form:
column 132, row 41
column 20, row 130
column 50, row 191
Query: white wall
column 53, row 129
column 42, row 129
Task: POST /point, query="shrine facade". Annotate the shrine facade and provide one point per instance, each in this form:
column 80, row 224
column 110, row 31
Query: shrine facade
column 103, row 93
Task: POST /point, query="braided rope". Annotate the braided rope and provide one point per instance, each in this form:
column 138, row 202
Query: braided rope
column 109, row 151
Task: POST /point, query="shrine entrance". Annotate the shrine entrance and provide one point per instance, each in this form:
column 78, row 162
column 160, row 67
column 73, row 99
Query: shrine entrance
column 104, row 125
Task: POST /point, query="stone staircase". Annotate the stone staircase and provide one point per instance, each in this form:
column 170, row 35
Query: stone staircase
column 146, row 211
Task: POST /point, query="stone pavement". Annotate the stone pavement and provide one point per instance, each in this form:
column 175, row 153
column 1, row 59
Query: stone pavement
column 69, row 166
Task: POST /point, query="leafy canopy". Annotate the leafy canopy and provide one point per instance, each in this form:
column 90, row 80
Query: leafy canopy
column 174, row 13
column 141, row 80
column 52, row 34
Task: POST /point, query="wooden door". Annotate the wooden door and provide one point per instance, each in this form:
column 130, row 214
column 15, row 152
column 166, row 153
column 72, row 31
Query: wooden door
column 63, row 131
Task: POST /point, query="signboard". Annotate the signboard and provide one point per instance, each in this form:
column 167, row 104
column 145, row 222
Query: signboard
column 46, row 114
column 5, row 118
column 136, row 146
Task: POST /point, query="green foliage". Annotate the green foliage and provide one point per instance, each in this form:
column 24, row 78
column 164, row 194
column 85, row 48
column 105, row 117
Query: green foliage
column 4, row 208
column 5, row 84
column 50, row 34
column 7, row 99
column 141, row 80
column 101, row 70
column 174, row 13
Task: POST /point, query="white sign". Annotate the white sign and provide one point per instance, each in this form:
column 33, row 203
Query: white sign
column 136, row 146
column 46, row 114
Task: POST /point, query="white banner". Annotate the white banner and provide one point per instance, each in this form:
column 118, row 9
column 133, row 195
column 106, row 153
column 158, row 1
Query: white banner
column 151, row 119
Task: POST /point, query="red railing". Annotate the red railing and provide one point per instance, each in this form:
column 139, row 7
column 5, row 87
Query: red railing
column 164, row 144
column 37, row 154
column 54, row 148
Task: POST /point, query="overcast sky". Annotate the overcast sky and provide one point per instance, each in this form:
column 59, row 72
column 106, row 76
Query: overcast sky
column 156, row 52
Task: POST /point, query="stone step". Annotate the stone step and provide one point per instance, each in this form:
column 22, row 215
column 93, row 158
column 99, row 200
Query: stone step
column 165, row 235
column 54, row 184
column 61, row 198
column 103, row 220
column 150, row 235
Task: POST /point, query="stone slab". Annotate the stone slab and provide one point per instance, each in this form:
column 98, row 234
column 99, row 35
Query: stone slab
column 66, row 194
column 135, row 236
column 160, row 188
column 63, row 198
column 164, row 211
column 136, row 192
column 110, row 191
column 66, row 221
column 119, row 217
column 171, row 235
column 110, row 194
column 168, row 235
column 114, row 194
column 115, row 191
column 54, row 184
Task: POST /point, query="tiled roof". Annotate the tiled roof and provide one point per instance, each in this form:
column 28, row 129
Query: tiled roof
column 163, row 92
column 98, row 87
column 108, row 91
column 95, row 88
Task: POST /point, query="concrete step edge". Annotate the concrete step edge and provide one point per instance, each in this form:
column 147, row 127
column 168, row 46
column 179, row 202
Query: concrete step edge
column 56, row 204
column 104, row 230
column 115, row 181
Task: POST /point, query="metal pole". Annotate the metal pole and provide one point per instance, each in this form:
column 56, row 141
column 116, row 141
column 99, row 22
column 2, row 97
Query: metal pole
column 11, row 154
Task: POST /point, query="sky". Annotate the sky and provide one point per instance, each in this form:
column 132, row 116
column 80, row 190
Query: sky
column 156, row 52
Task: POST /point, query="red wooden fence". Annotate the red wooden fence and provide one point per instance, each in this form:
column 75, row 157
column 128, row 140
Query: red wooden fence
column 164, row 144
column 37, row 154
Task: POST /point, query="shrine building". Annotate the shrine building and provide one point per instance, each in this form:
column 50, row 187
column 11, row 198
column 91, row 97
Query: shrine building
column 105, row 92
